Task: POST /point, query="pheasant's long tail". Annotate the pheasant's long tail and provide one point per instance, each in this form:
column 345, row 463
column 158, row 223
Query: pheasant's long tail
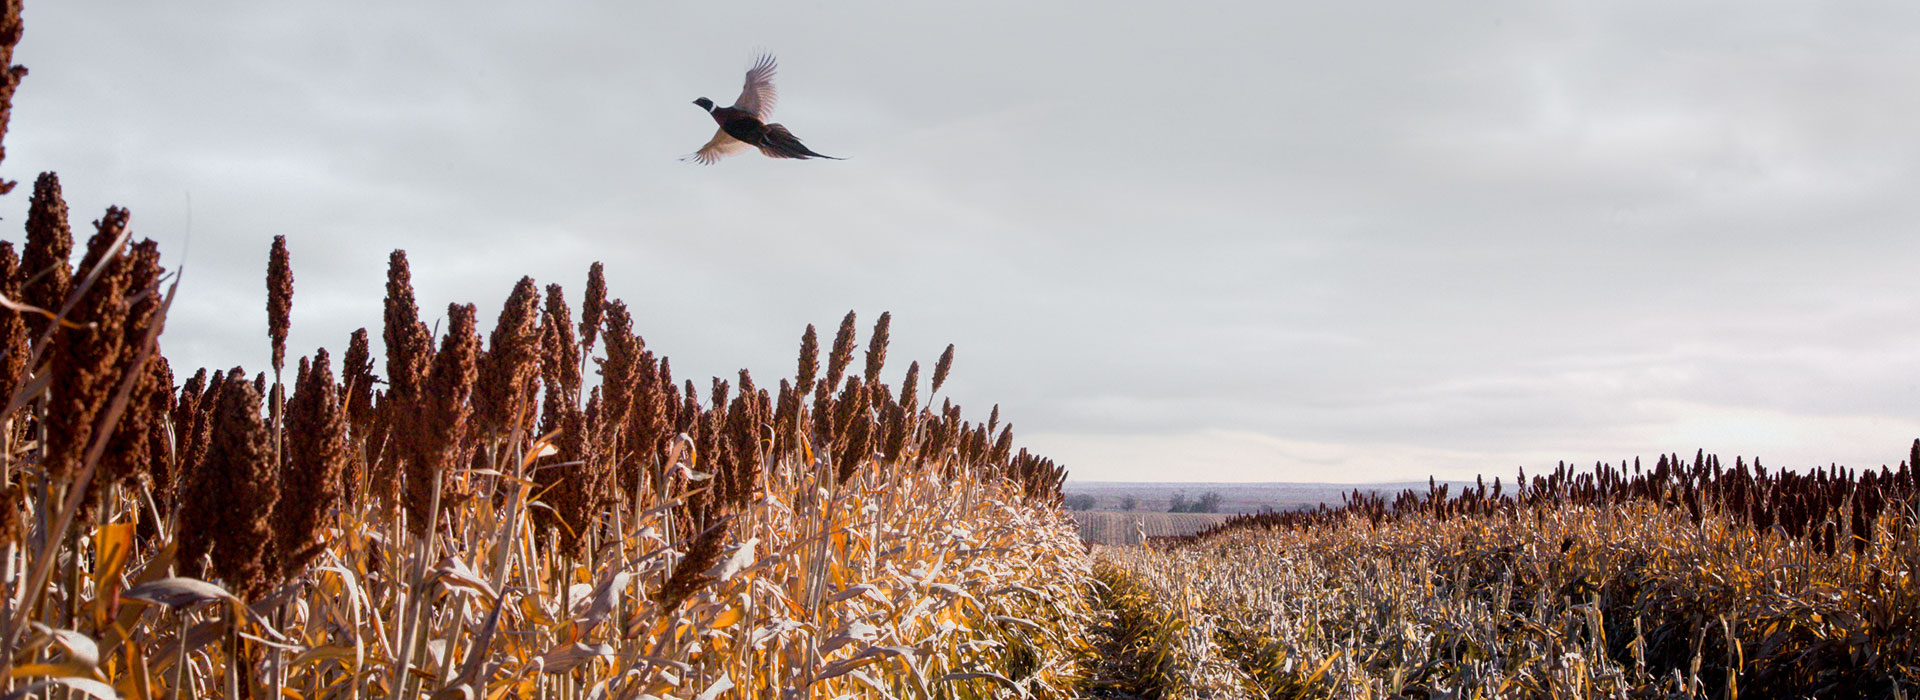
column 780, row 143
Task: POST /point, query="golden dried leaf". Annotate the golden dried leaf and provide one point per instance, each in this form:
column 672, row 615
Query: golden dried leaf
column 85, row 685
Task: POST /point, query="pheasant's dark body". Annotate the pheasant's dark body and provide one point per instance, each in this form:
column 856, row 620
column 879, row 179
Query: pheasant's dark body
column 738, row 123
column 744, row 125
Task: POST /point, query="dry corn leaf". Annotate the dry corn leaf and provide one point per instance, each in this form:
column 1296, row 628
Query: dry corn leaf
column 844, row 666
column 722, row 685
column 579, row 596
column 177, row 592
column 1021, row 622
column 112, row 545
column 88, row 686
column 136, row 682
column 56, row 669
column 565, row 658
column 728, row 617
column 737, row 558
column 602, row 598
column 321, row 653
column 871, row 683
column 80, row 649
column 850, row 592
column 853, row 632
column 779, row 628
column 455, row 574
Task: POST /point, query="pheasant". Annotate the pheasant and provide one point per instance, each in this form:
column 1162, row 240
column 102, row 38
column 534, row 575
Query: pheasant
column 744, row 125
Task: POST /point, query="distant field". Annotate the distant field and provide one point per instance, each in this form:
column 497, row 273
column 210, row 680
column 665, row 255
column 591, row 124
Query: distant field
column 1114, row 527
column 1237, row 497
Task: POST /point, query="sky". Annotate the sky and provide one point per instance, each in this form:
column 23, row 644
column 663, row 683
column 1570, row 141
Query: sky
column 1200, row 241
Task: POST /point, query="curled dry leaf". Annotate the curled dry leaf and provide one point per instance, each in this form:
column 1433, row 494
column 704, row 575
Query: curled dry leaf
column 455, row 573
column 80, row 649
column 776, row 629
column 736, row 560
column 950, row 589
column 603, row 598
column 722, row 685
column 568, row 657
column 853, row 632
column 177, row 592
column 850, row 592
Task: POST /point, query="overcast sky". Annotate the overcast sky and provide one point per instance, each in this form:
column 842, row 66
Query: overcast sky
column 1196, row 241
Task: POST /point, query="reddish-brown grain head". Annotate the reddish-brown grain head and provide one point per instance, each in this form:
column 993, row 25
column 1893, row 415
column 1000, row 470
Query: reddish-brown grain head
column 316, row 456
column 409, row 348
column 14, row 343
column 512, row 364
column 46, row 265
column 444, row 412
column 620, row 371
column 559, row 360
column 279, row 299
column 877, row 348
column 809, row 361
column 10, row 31
column 940, row 370
column 689, row 575
column 229, row 499
column 129, row 452
column 593, row 307
column 356, row 373
column 842, row 352
column 910, row 388
column 85, row 359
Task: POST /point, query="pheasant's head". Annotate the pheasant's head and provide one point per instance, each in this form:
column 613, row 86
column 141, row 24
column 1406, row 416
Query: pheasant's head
column 704, row 103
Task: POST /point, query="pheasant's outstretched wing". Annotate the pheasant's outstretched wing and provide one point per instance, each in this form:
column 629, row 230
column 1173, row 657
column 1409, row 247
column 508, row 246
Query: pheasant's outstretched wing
column 720, row 146
column 758, row 95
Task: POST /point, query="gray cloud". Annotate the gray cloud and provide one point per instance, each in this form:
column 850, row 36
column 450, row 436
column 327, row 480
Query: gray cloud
column 1368, row 240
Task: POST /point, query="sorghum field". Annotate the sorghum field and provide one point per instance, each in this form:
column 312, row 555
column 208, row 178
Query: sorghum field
column 474, row 518
column 1686, row 579
column 539, row 508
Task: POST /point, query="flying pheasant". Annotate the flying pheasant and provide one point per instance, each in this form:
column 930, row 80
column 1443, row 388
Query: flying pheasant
column 744, row 125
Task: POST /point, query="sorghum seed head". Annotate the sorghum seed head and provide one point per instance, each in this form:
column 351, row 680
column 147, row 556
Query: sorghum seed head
column 877, row 348
column 512, row 362
column 356, row 372
column 809, row 361
column 941, row 368
column 910, row 388
column 14, row 343
column 316, row 458
column 279, row 299
column 842, row 352
column 46, row 263
column 592, row 309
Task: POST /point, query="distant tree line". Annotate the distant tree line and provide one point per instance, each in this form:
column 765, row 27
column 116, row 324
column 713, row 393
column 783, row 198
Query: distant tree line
column 1208, row 502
